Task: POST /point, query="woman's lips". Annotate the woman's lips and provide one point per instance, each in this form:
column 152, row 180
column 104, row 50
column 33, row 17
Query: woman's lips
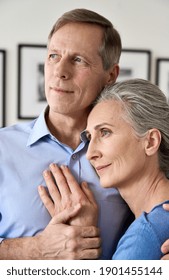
column 101, row 168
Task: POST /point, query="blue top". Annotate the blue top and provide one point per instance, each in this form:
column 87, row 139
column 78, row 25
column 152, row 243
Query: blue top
column 25, row 151
column 144, row 237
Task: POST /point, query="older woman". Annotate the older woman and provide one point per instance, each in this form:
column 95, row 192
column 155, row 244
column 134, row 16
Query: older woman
column 128, row 133
column 128, row 130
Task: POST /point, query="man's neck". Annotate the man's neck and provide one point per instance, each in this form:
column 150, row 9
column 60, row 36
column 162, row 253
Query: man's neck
column 67, row 129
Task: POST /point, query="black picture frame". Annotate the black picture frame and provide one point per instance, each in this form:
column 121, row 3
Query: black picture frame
column 2, row 87
column 162, row 75
column 135, row 63
column 31, row 93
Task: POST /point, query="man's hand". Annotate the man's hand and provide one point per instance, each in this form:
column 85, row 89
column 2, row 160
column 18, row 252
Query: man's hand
column 65, row 192
column 165, row 246
column 58, row 241
column 61, row 241
column 165, row 250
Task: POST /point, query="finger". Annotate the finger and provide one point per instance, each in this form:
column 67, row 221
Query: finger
column 91, row 243
column 165, row 257
column 166, row 206
column 73, row 184
column 52, row 188
column 60, row 180
column 90, row 231
column 165, row 247
column 64, row 216
column 47, row 201
column 90, row 254
column 88, row 193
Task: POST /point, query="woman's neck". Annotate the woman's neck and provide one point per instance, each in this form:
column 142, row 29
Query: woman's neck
column 146, row 193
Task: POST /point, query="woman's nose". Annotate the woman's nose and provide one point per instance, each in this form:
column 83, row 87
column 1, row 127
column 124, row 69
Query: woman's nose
column 93, row 151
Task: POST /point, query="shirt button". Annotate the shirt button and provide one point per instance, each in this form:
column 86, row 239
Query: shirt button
column 74, row 156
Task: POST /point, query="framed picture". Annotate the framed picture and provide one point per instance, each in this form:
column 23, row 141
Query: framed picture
column 2, row 86
column 135, row 64
column 31, row 93
column 162, row 75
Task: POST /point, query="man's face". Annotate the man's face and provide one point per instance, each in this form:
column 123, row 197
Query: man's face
column 74, row 73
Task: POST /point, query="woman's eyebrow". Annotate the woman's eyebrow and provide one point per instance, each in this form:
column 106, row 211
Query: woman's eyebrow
column 99, row 125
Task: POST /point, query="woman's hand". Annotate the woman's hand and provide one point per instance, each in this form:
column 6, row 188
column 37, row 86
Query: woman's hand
column 65, row 192
column 165, row 246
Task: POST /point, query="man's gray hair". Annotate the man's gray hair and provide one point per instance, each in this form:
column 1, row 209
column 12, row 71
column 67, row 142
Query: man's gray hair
column 110, row 49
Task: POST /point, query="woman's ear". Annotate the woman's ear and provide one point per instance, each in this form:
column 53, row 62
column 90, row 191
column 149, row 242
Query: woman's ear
column 113, row 74
column 152, row 141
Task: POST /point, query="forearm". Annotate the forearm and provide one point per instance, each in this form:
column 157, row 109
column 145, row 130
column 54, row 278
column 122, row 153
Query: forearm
column 19, row 249
column 56, row 242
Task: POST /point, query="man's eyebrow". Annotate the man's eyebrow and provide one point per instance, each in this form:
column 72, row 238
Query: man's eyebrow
column 53, row 49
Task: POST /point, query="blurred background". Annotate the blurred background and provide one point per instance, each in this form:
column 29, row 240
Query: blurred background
column 142, row 24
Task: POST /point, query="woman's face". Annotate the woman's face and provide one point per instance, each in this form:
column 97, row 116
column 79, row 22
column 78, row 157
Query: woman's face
column 114, row 150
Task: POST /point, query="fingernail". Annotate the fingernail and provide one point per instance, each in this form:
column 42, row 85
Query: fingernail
column 40, row 188
column 63, row 167
column 45, row 173
column 52, row 165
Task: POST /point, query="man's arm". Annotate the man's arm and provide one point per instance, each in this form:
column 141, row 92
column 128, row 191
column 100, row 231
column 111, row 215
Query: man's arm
column 58, row 241
column 19, row 249
column 165, row 246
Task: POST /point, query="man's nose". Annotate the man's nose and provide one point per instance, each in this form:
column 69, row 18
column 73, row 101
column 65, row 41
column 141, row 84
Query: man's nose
column 62, row 69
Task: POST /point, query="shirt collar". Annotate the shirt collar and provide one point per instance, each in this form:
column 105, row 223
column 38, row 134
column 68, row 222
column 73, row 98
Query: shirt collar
column 39, row 129
column 83, row 136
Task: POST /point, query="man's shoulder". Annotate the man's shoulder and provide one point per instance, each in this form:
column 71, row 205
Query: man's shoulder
column 25, row 127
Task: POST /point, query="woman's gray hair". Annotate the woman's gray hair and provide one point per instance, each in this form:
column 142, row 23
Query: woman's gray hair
column 110, row 50
column 146, row 107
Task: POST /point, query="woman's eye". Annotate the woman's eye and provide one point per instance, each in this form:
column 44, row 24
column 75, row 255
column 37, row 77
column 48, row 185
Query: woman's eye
column 105, row 132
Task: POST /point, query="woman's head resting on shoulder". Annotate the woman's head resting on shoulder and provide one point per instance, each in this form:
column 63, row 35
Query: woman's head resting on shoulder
column 128, row 131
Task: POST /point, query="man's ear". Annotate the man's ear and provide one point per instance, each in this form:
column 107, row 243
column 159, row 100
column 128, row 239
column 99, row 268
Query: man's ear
column 152, row 141
column 113, row 74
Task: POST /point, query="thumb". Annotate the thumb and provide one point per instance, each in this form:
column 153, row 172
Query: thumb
column 64, row 216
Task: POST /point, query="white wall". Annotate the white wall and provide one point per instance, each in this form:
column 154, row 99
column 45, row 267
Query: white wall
column 143, row 24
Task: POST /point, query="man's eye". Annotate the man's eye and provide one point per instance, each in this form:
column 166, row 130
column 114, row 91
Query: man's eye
column 77, row 59
column 53, row 56
column 80, row 60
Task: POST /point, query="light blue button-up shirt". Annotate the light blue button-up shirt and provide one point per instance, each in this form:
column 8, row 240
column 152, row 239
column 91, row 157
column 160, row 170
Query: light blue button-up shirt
column 26, row 150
